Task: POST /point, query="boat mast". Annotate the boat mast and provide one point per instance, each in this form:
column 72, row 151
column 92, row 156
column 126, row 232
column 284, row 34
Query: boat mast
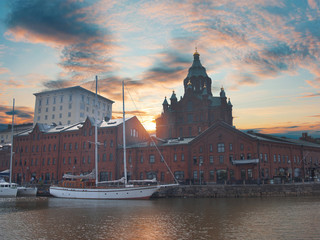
column 11, row 151
column 124, row 138
column 96, row 134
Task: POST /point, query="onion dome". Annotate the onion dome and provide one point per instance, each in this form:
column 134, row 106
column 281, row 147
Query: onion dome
column 173, row 96
column 197, row 69
column 222, row 93
column 165, row 101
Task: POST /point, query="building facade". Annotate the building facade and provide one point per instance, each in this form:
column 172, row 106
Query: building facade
column 69, row 106
column 220, row 154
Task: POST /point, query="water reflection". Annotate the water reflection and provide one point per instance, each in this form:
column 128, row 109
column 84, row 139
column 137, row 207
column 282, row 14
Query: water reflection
column 273, row 218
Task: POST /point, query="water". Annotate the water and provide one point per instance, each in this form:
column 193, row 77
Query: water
column 268, row 218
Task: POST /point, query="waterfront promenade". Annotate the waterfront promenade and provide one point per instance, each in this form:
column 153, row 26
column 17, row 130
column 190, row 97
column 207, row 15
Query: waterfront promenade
column 229, row 191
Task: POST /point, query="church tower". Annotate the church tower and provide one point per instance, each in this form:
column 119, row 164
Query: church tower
column 197, row 110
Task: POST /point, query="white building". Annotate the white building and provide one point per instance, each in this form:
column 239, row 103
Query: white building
column 5, row 134
column 70, row 105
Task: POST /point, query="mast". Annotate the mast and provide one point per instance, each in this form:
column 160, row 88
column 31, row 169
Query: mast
column 96, row 134
column 124, row 138
column 11, row 151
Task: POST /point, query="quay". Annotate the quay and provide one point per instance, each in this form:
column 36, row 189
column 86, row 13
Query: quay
column 241, row 191
column 228, row 191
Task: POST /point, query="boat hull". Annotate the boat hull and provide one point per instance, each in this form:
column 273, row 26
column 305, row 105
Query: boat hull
column 8, row 192
column 104, row 193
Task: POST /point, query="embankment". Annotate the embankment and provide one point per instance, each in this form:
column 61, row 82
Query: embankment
column 239, row 191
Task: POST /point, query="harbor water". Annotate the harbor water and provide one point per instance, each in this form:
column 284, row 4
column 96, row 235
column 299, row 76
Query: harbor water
column 242, row 218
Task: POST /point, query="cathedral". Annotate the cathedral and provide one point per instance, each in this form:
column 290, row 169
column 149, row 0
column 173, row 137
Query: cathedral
column 197, row 110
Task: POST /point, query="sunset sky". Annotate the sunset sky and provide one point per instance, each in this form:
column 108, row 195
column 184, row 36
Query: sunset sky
column 265, row 53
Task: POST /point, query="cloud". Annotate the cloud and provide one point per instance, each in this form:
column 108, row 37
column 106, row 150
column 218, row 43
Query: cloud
column 22, row 114
column 57, row 84
column 309, row 95
column 294, row 131
column 66, row 25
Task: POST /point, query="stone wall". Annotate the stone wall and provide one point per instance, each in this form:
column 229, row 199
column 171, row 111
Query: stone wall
column 239, row 191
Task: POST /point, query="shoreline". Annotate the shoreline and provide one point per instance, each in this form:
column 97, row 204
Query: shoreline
column 227, row 191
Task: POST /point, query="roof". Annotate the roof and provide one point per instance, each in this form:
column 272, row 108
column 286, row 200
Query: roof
column 73, row 127
column 71, row 88
column 197, row 69
column 275, row 139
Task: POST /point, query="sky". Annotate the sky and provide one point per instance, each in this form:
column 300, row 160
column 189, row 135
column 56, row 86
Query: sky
column 265, row 53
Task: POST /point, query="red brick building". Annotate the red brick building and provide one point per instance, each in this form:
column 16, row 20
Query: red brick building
column 195, row 138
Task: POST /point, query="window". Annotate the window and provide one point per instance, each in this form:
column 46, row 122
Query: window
column 266, row 157
column 211, row 159
column 220, row 147
column 48, row 161
column 70, row 98
column 274, row 158
column 53, row 161
column 261, row 157
column 195, row 174
column 141, row 159
column 111, row 143
column 221, row 159
column 200, row 160
column 110, row 157
column 211, row 148
column 83, row 159
column 64, row 146
column 70, row 146
column 64, row 160
column 182, row 157
column 70, row 105
column 69, row 160
column 175, row 157
column 76, row 146
column 179, row 175
column 104, row 157
column 69, row 114
column 53, row 109
column 61, row 99
column 211, row 175
column 250, row 173
column 151, row 159
column 230, row 147
column 231, row 158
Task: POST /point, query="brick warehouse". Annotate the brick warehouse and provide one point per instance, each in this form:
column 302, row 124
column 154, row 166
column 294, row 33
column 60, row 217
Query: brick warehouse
column 195, row 137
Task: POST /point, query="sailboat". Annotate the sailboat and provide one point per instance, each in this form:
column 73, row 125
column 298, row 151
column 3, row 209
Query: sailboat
column 9, row 189
column 12, row 189
column 88, row 190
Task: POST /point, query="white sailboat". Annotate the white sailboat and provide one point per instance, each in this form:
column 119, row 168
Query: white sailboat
column 9, row 189
column 88, row 190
